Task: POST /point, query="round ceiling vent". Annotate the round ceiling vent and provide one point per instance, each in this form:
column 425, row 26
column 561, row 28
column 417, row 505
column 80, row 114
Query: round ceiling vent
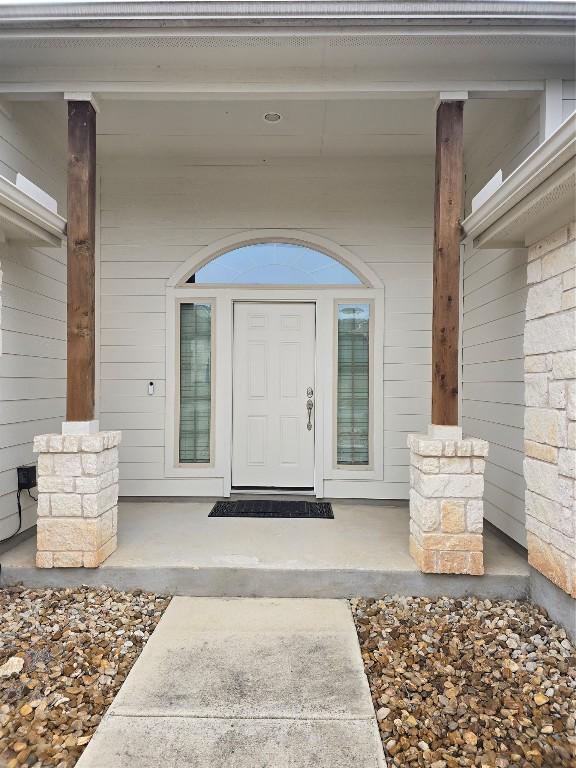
column 272, row 117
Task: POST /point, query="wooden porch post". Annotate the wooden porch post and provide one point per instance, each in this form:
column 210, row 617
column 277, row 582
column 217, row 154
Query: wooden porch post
column 448, row 196
column 81, row 268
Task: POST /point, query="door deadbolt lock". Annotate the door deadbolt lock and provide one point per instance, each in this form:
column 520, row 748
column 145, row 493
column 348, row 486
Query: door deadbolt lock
column 309, row 392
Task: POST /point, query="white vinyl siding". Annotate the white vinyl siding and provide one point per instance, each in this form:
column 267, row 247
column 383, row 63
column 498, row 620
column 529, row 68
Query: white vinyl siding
column 493, row 377
column 154, row 216
column 33, row 359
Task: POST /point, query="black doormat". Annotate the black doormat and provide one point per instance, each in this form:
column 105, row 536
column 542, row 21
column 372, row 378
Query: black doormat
column 272, row 508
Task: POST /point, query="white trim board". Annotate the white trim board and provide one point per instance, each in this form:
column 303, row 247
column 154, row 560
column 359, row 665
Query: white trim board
column 24, row 219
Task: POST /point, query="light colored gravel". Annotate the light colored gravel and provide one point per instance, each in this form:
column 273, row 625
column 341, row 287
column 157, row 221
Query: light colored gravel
column 469, row 682
column 63, row 656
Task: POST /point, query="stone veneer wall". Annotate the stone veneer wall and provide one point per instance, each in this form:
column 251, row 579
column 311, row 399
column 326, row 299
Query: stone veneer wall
column 77, row 499
column 446, row 505
column 550, row 415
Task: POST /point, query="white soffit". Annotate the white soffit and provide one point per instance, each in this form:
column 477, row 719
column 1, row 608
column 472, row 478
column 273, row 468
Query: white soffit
column 537, row 198
column 24, row 219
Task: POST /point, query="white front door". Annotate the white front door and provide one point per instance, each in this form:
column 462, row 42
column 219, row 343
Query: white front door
column 273, row 391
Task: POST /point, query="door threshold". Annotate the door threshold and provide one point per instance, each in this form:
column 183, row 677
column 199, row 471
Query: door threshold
column 244, row 491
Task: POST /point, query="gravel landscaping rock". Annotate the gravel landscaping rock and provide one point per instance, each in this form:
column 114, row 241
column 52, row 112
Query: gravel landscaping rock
column 63, row 656
column 469, row 682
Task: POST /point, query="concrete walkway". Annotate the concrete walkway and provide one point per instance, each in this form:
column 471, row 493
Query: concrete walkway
column 244, row 683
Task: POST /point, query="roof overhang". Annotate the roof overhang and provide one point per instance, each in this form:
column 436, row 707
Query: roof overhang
column 304, row 14
column 537, row 198
column 24, row 219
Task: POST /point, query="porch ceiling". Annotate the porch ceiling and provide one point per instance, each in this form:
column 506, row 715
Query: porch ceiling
column 234, row 131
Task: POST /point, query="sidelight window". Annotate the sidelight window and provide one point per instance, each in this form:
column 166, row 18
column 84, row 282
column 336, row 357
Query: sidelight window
column 195, row 383
column 353, row 384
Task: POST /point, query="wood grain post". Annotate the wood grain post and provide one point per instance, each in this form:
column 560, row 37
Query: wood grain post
column 448, row 196
column 81, row 267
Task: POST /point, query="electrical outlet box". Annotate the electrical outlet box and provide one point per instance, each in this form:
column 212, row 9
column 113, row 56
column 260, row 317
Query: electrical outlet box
column 26, row 477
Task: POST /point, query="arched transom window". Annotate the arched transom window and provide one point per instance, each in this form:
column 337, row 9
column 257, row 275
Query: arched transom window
column 275, row 264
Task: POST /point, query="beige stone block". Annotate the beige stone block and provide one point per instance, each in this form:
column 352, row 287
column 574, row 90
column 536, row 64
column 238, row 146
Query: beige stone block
column 569, row 299
column 56, row 443
column 455, row 465
column 68, row 559
column 552, row 534
column 475, row 516
column 467, row 542
column 464, row 448
column 551, row 242
column 567, row 462
column 544, row 298
column 545, row 425
column 425, row 560
column 112, row 438
column 542, row 509
column 476, row 564
column 67, row 464
column 109, row 523
column 478, row 466
column 100, row 463
column 45, row 464
column 94, row 504
column 558, row 261
column 535, row 364
column 425, row 446
column 66, row 504
column 427, row 464
column 571, row 400
column 553, row 333
column 571, row 440
column 55, row 484
column 44, row 560
column 94, row 559
column 541, row 451
column 93, row 443
column 569, row 279
column 480, row 448
column 449, row 448
column 453, row 516
column 470, row 563
column 536, row 389
column 71, row 443
column 69, row 534
column 43, row 505
column 543, row 478
column 449, row 486
column 555, row 565
column 424, row 512
column 557, row 394
column 564, row 365
column 41, row 443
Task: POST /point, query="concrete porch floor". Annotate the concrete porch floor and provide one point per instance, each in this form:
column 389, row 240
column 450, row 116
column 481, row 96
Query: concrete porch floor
column 173, row 547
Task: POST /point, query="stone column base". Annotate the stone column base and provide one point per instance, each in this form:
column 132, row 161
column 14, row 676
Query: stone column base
column 77, row 499
column 446, row 506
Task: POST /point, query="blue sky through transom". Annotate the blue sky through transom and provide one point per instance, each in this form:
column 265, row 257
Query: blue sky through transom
column 276, row 264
